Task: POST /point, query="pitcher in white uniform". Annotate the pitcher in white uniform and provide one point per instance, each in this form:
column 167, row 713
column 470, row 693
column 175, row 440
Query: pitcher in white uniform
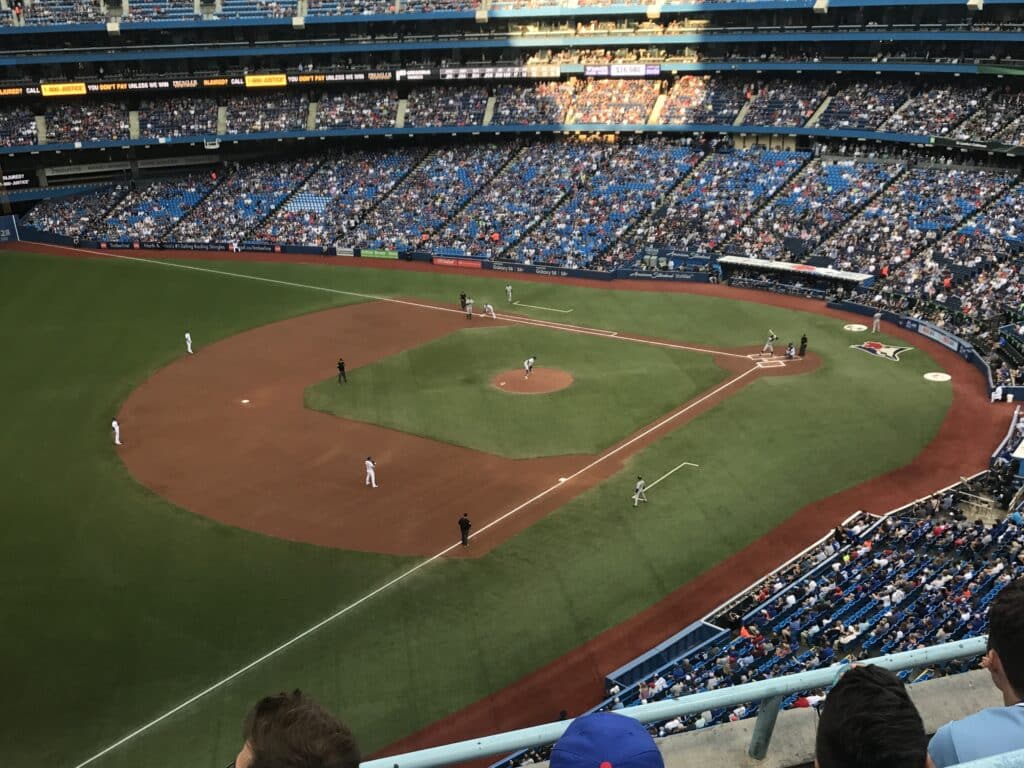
column 371, row 472
column 117, row 431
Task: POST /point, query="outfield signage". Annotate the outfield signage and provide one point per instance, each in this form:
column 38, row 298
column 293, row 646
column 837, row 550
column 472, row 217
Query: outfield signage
column 8, row 229
column 689, row 277
column 376, row 253
column 447, row 261
column 788, row 266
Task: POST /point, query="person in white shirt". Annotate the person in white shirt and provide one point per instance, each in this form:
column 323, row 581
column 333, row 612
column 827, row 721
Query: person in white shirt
column 876, row 322
column 188, row 342
column 117, row 431
column 528, row 365
column 469, row 308
column 640, row 493
column 489, row 311
column 508, row 292
column 371, row 472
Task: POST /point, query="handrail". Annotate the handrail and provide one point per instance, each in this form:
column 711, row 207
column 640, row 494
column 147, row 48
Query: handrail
column 760, row 691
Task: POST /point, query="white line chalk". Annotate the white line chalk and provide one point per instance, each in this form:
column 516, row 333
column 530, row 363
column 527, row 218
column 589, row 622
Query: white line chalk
column 546, row 309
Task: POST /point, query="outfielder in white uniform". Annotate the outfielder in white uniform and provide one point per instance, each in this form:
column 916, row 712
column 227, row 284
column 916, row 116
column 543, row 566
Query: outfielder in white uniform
column 489, row 311
column 371, row 472
column 528, row 366
column 876, row 322
column 640, row 493
column 117, row 431
column 508, row 292
column 188, row 342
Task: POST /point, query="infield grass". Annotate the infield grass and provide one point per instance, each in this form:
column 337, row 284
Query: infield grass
column 443, row 390
column 118, row 606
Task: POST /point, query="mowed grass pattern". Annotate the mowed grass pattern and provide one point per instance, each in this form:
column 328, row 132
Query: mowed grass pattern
column 443, row 390
column 118, row 605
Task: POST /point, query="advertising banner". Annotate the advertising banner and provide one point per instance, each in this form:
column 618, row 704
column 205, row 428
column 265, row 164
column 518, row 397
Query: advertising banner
column 376, row 253
column 8, row 229
column 688, row 277
column 447, row 261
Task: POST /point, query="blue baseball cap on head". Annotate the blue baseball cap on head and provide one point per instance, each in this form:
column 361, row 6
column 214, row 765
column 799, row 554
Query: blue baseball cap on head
column 606, row 740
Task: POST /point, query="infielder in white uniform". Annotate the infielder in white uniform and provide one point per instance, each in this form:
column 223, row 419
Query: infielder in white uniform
column 640, row 492
column 117, row 431
column 876, row 322
column 508, row 292
column 469, row 309
column 489, row 311
column 528, row 366
column 188, row 342
column 371, row 472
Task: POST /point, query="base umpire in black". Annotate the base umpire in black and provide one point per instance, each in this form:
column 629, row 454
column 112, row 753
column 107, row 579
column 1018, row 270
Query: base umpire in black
column 464, row 526
column 341, row 371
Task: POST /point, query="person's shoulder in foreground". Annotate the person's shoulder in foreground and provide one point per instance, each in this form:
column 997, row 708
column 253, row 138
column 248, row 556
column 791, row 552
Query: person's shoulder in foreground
column 869, row 721
column 290, row 730
column 999, row 729
column 606, row 740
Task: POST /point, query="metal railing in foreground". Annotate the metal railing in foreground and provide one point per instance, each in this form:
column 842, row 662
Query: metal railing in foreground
column 767, row 693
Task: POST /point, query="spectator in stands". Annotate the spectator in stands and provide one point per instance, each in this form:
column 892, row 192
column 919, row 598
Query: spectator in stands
column 869, row 721
column 999, row 729
column 604, row 738
column 290, row 729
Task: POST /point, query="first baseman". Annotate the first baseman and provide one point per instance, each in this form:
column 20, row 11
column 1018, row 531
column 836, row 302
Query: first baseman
column 508, row 292
column 371, row 472
column 469, row 308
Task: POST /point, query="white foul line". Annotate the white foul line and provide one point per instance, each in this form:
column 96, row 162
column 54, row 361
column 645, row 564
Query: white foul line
column 547, row 309
column 401, row 577
column 684, row 464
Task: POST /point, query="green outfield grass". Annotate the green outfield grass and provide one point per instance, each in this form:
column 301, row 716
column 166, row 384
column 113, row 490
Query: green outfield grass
column 443, row 390
column 118, row 606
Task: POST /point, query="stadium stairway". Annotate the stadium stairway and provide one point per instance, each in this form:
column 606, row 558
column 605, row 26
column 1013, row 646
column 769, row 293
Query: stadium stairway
column 659, row 105
column 489, row 110
column 483, row 185
column 813, row 121
column 836, row 231
column 980, row 210
column 221, row 177
column 403, row 107
column 802, row 170
column 742, row 114
column 257, row 224
column 658, row 211
column 398, row 182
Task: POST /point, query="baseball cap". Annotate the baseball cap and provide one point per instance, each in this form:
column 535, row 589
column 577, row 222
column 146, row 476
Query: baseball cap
column 606, row 740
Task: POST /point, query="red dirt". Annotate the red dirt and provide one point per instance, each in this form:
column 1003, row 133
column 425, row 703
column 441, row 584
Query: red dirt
column 540, row 382
column 275, row 467
column 972, row 428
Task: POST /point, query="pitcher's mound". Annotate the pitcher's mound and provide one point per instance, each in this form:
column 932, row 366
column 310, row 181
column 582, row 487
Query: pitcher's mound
column 541, row 381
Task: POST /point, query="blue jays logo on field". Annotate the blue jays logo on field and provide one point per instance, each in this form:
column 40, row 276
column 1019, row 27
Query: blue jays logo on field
column 878, row 349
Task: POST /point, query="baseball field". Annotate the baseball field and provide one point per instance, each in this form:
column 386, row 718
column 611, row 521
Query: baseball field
column 230, row 547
